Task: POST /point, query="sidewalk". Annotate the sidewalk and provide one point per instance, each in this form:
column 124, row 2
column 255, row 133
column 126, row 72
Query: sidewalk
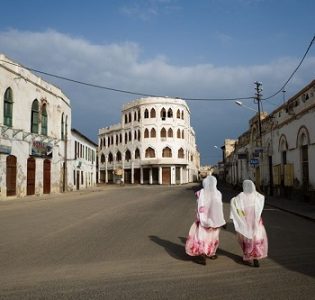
column 298, row 207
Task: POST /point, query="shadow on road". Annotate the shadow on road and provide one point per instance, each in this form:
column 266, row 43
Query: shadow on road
column 178, row 251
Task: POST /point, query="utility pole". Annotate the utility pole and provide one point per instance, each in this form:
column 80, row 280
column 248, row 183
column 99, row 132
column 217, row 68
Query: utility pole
column 258, row 96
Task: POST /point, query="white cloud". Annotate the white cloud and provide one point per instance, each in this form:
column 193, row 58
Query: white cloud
column 120, row 66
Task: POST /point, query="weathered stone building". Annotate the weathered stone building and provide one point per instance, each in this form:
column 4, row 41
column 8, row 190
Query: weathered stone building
column 153, row 144
column 284, row 161
column 35, row 123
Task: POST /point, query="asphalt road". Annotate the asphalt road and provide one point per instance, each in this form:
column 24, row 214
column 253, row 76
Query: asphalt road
column 128, row 243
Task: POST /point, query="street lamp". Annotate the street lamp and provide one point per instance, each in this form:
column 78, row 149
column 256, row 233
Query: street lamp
column 240, row 103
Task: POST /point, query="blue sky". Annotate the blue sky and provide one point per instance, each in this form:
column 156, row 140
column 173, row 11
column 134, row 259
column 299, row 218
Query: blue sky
column 190, row 49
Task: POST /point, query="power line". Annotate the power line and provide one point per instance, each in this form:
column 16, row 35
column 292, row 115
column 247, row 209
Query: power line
column 119, row 90
column 292, row 74
column 152, row 95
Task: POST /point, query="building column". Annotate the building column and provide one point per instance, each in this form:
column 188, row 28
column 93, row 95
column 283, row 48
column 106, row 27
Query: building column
column 181, row 175
column 141, row 175
column 160, row 175
column 132, row 173
column 150, row 176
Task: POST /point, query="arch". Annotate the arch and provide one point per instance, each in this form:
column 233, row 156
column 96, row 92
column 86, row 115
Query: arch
column 149, row 152
column 8, row 107
column 102, row 158
column 44, row 120
column 126, row 137
column 34, row 116
column 283, row 144
column 146, row 133
column 180, row 153
column 178, row 134
column 178, row 114
column 130, row 118
column 163, row 133
column 137, row 153
column 153, row 133
column 130, row 136
column 183, row 134
column 163, row 113
column 135, row 116
column 118, row 156
column 126, row 119
column 303, row 137
column 117, row 139
column 170, row 132
column 170, row 113
column 152, row 113
column 110, row 157
column 182, row 115
column 146, row 113
column 167, row 152
column 128, row 155
column 139, row 135
column 135, row 135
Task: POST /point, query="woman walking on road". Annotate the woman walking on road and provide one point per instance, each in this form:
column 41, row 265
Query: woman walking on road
column 246, row 210
column 203, row 237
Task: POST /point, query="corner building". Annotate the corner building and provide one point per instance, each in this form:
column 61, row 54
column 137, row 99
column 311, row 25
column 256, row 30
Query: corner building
column 153, row 144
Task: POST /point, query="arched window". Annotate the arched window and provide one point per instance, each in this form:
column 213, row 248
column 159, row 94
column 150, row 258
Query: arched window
column 135, row 116
column 44, row 120
column 128, row 155
column 163, row 113
column 149, row 153
column 34, row 117
column 102, row 158
column 126, row 137
column 110, row 157
column 178, row 114
column 8, row 107
column 183, row 134
column 152, row 113
column 118, row 156
column 153, row 133
column 146, row 133
column 178, row 134
column 130, row 137
column 126, row 119
column 135, row 134
column 182, row 114
column 170, row 113
column 167, row 152
column 146, row 114
column 120, row 138
column 130, row 117
column 137, row 153
column 139, row 135
column 112, row 140
column 108, row 141
column 170, row 132
column 117, row 139
column 181, row 153
column 163, row 133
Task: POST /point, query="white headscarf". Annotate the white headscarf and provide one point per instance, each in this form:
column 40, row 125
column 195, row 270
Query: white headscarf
column 241, row 203
column 210, row 207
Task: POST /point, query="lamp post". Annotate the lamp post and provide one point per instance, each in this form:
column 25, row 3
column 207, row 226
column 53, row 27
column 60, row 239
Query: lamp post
column 258, row 96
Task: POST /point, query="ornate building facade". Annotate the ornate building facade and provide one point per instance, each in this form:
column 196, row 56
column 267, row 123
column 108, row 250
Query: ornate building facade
column 35, row 122
column 153, row 144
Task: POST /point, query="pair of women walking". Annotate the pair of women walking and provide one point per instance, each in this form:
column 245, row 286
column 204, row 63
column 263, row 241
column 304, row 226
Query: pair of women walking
column 245, row 211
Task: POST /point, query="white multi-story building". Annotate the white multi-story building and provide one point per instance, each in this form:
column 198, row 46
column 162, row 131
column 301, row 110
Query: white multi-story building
column 83, row 161
column 35, row 122
column 153, row 144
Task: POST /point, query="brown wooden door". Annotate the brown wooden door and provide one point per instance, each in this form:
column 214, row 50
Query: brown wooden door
column 31, row 171
column 47, row 177
column 166, row 175
column 11, row 175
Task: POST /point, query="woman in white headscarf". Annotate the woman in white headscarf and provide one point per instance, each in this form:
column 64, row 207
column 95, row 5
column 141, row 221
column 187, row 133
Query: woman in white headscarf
column 203, row 237
column 246, row 210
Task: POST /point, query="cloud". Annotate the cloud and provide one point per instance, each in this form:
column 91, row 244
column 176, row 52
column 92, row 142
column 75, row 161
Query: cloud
column 147, row 9
column 121, row 66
